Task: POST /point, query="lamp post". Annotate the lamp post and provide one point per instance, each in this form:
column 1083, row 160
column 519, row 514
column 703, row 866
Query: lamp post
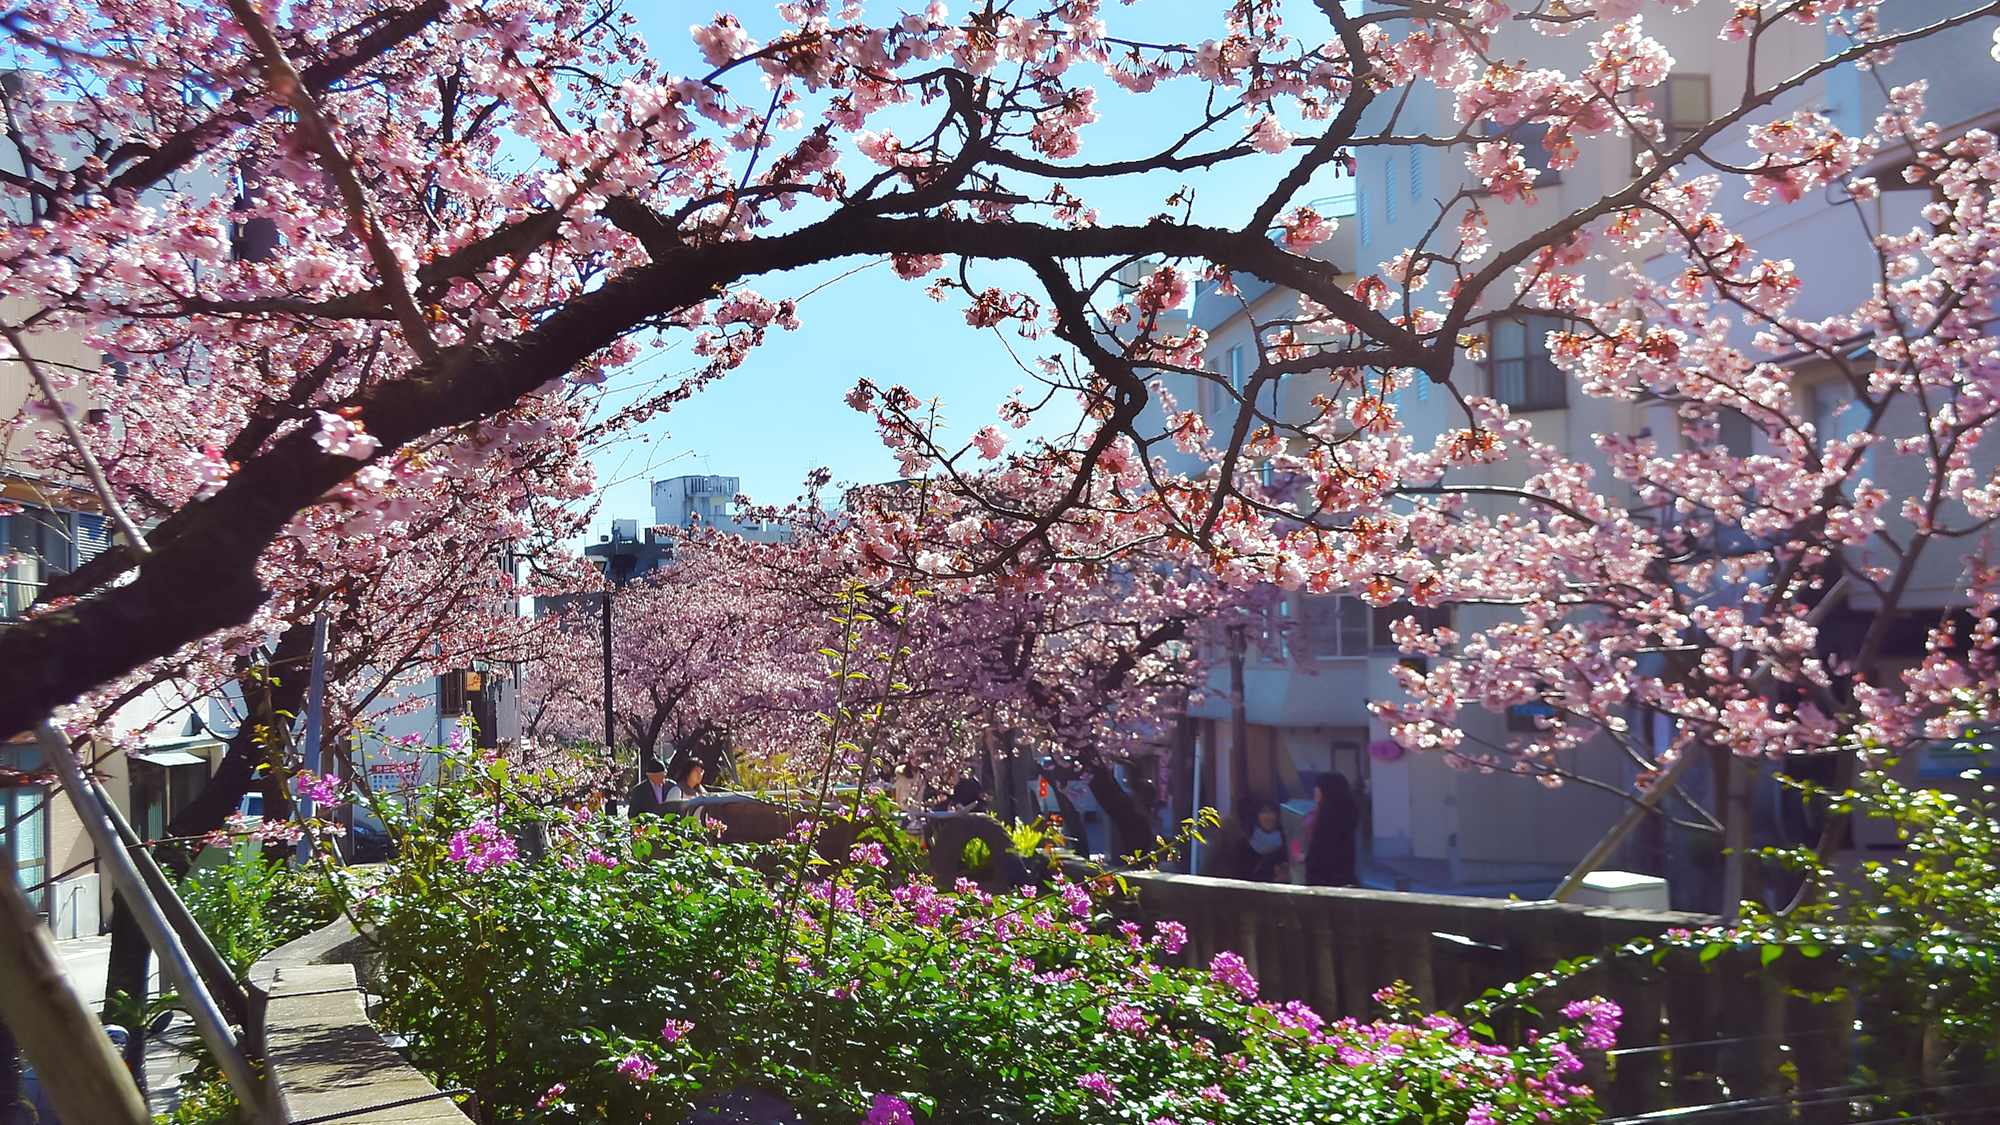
column 618, row 565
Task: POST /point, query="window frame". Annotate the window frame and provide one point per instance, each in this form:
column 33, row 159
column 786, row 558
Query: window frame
column 1538, row 369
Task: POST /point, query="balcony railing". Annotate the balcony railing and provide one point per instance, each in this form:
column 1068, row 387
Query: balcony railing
column 16, row 595
column 1529, row 383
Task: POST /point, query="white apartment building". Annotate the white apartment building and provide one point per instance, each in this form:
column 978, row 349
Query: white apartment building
column 700, row 499
column 1432, row 826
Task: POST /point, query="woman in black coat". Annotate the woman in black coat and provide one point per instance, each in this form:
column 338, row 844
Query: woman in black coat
column 1330, row 855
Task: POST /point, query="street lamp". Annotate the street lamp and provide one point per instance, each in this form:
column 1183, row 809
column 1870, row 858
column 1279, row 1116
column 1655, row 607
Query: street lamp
column 618, row 566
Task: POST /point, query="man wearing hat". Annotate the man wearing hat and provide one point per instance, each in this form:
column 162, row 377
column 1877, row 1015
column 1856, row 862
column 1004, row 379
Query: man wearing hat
column 649, row 797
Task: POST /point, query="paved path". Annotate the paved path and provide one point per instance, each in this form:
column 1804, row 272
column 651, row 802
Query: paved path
column 88, row 960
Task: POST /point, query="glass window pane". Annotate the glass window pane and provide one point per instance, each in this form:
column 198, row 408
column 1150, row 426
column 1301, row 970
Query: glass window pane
column 1354, row 630
column 1687, row 99
column 1538, row 330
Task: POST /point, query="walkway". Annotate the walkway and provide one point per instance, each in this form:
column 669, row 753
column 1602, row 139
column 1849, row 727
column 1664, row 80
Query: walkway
column 167, row 1061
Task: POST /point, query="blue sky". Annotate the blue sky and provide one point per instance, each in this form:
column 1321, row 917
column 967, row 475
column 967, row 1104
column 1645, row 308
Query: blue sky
column 781, row 414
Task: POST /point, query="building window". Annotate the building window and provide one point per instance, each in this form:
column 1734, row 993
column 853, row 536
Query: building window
column 24, row 826
column 1361, row 214
column 1388, row 192
column 456, row 691
column 1686, row 106
column 1334, row 625
column 1735, row 431
column 1682, row 106
column 1416, row 173
column 1534, row 153
column 37, row 544
column 1524, row 377
column 1428, row 620
column 1236, row 369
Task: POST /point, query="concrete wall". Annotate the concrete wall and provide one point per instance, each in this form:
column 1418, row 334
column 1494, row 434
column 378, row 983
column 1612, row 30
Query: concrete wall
column 323, row 1059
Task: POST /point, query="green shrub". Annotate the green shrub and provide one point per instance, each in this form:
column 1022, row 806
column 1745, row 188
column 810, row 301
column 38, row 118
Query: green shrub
column 249, row 906
column 634, row 969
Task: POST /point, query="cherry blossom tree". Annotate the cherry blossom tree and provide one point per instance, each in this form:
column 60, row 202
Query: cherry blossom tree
column 713, row 640
column 481, row 210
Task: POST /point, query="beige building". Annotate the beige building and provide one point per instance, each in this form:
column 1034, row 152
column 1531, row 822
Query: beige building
column 52, row 525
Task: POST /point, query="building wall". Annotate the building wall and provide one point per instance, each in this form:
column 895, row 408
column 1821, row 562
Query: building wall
column 1491, row 826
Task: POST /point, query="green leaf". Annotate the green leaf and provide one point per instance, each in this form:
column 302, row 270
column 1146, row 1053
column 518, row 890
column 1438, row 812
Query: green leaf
column 1770, row 953
column 1711, row 951
column 1811, row 950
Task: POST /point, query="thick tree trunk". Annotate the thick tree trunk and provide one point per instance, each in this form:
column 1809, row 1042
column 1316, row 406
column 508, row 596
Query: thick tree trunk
column 1134, row 827
column 1736, row 782
column 283, row 689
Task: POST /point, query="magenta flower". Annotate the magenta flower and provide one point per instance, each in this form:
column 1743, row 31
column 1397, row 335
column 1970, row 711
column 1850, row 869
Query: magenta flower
column 872, row 854
column 637, row 1068
column 1172, row 936
column 1228, row 968
column 599, row 858
column 1124, row 1017
column 889, row 1110
column 1602, row 1032
column 555, row 1092
column 1214, row 1094
column 674, row 1029
column 1097, row 1084
column 322, row 790
column 1482, row 1114
column 1078, row 898
column 482, row 846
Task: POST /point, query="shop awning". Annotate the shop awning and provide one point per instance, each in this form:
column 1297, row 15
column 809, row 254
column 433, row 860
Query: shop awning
column 170, row 758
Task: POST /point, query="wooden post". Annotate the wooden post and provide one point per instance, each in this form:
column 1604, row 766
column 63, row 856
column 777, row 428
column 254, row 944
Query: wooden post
column 73, row 1058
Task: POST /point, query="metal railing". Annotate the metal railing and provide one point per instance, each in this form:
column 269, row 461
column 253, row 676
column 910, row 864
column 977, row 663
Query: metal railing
column 16, row 595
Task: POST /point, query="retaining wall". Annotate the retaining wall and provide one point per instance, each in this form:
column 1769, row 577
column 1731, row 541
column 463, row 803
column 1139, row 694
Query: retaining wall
column 323, row 1059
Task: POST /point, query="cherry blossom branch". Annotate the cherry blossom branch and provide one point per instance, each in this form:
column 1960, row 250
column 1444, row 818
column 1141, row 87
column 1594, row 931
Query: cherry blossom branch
column 1633, row 193
column 91, row 469
column 287, row 84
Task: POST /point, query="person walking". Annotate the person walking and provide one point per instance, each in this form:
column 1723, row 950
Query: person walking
column 1330, row 848
column 968, row 796
column 691, row 776
column 649, row 797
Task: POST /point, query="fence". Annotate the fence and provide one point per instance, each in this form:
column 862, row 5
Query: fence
column 1732, row 1039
